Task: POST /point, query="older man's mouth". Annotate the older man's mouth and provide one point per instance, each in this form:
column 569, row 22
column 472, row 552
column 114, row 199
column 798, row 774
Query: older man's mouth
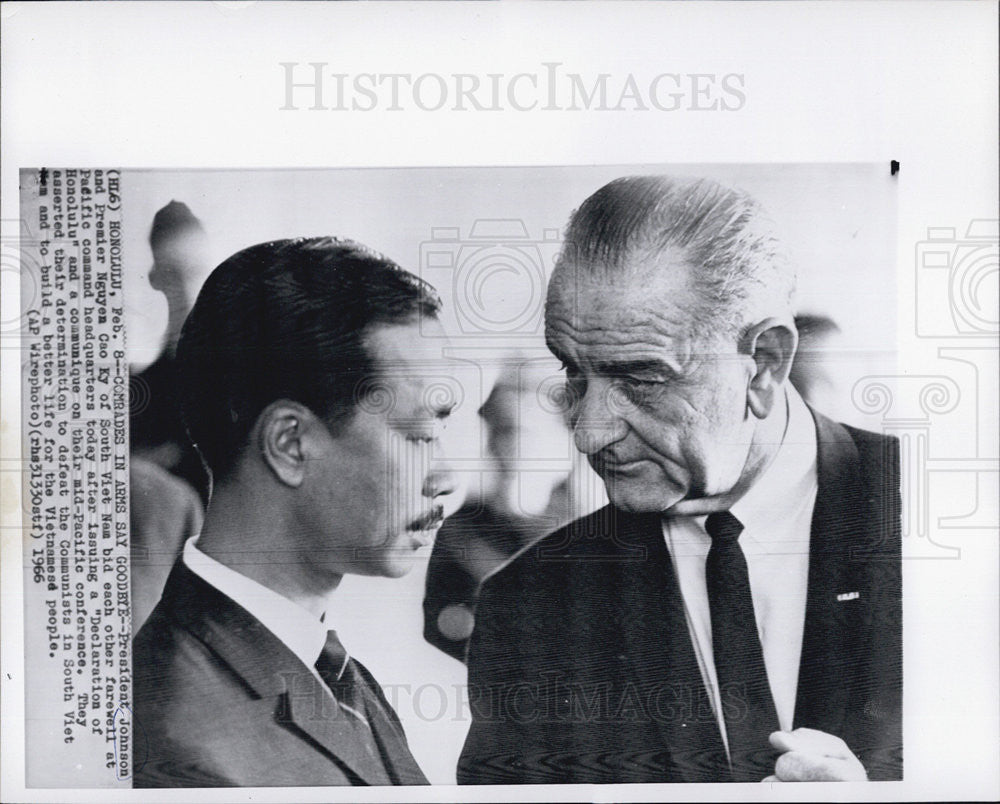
column 611, row 467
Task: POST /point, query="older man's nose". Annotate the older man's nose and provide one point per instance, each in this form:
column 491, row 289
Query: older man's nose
column 597, row 422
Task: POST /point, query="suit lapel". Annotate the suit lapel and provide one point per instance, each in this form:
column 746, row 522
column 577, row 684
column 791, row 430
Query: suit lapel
column 284, row 688
column 838, row 526
column 389, row 733
column 663, row 660
column 312, row 710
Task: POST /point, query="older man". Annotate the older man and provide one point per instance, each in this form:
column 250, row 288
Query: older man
column 734, row 614
column 304, row 372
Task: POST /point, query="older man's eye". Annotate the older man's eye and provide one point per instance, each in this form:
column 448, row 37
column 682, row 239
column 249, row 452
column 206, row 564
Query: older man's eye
column 639, row 389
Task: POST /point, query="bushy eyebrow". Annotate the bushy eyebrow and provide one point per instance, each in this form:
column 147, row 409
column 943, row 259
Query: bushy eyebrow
column 620, row 368
column 670, row 365
column 624, row 368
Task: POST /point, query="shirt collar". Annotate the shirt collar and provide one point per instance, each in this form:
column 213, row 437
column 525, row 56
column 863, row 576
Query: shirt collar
column 300, row 630
column 789, row 481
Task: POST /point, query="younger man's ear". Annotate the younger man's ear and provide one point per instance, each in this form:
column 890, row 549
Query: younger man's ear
column 281, row 432
column 771, row 343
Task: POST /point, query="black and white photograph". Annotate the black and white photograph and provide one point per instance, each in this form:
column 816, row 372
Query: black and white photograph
column 497, row 475
column 590, row 654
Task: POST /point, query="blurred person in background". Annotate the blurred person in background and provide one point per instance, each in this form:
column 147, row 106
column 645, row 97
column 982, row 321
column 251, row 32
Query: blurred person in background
column 164, row 512
column 526, row 494
column 180, row 266
column 168, row 485
column 813, row 373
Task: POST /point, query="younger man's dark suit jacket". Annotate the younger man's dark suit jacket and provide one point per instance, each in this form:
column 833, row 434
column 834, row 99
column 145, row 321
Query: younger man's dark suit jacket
column 221, row 701
column 581, row 668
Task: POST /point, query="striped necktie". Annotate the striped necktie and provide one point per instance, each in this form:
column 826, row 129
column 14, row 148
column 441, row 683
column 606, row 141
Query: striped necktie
column 336, row 669
column 369, row 717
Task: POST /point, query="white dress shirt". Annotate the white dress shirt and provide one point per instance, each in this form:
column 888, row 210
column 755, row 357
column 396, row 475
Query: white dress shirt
column 301, row 631
column 777, row 516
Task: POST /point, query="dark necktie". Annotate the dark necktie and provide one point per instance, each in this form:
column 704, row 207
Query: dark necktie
column 747, row 704
column 365, row 712
column 335, row 668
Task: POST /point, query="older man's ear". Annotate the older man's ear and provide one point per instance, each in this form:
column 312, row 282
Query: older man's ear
column 771, row 343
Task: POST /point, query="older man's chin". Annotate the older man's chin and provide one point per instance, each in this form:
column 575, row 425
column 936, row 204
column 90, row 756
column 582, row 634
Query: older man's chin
column 634, row 498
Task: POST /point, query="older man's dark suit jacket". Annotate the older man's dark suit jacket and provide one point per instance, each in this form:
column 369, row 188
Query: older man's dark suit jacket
column 581, row 668
column 221, row 701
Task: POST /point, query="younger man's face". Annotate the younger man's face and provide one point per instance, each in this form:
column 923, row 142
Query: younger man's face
column 376, row 494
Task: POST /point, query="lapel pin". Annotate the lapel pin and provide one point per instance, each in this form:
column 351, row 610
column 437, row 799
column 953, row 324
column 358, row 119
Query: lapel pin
column 843, row 596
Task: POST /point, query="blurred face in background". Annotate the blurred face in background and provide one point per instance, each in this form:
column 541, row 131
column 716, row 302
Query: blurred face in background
column 523, row 423
column 180, row 260
column 814, row 371
column 528, row 438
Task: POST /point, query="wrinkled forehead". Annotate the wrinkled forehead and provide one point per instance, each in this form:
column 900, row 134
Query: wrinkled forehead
column 655, row 294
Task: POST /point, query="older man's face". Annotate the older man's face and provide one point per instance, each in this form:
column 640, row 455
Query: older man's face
column 662, row 419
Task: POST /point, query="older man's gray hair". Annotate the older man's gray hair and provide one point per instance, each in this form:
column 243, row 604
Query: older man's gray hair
column 737, row 263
